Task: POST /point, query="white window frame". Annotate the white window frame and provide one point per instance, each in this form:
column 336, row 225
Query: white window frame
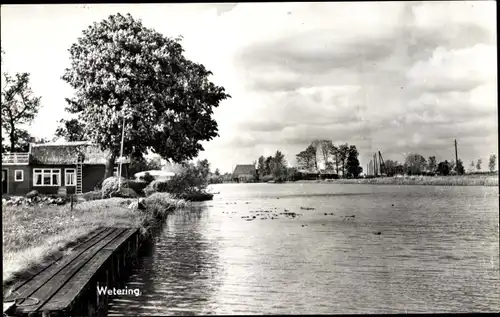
column 69, row 171
column 22, row 176
column 47, row 171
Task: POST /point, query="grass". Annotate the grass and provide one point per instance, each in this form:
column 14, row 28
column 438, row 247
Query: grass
column 462, row 180
column 35, row 236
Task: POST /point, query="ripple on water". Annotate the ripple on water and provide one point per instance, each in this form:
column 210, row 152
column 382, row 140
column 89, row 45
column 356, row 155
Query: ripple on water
column 437, row 252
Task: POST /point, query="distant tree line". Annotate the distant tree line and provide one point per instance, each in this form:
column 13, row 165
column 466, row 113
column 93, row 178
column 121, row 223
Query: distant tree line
column 341, row 159
column 416, row 164
column 338, row 160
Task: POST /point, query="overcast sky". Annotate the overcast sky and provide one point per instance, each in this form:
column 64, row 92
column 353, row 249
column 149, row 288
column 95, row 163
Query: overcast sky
column 396, row 77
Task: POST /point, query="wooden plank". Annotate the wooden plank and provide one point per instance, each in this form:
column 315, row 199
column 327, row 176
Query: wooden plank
column 65, row 297
column 27, row 287
column 120, row 241
column 74, row 287
column 7, row 306
column 49, row 289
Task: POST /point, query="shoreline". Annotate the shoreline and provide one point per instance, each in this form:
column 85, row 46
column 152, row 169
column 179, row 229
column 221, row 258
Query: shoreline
column 471, row 180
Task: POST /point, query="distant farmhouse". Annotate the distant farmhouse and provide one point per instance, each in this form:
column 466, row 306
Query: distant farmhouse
column 245, row 173
column 75, row 167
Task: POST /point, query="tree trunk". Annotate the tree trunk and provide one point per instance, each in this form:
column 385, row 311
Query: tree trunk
column 12, row 138
column 110, row 162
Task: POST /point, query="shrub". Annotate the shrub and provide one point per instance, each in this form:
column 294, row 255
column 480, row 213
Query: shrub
column 137, row 186
column 126, row 193
column 149, row 190
column 160, row 204
column 94, row 195
column 110, row 186
column 98, row 186
column 267, row 178
column 148, row 178
column 196, row 196
column 156, row 186
column 32, row 194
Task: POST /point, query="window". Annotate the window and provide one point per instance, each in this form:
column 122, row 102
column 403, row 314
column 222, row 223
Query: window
column 47, row 177
column 70, row 177
column 115, row 171
column 18, row 175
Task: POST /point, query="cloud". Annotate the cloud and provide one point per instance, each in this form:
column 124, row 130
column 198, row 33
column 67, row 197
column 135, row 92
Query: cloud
column 389, row 76
column 459, row 69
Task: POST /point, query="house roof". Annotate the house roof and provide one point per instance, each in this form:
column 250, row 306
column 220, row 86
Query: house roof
column 305, row 171
column 244, row 169
column 328, row 171
column 67, row 153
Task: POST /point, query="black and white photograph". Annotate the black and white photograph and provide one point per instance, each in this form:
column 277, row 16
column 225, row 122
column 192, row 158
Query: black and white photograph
column 251, row 158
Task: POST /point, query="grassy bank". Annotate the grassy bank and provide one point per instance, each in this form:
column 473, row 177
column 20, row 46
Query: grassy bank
column 33, row 236
column 463, row 180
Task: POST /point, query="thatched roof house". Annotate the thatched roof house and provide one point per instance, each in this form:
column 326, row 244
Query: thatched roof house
column 53, row 168
column 67, row 153
column 244, row 172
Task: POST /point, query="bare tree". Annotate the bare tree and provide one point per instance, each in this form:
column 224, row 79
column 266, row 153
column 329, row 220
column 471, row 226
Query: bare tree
column 19, row 105
column 326, row 146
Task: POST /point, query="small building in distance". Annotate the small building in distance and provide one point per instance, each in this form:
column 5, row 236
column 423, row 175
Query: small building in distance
column 245, row 173
column 328, row 174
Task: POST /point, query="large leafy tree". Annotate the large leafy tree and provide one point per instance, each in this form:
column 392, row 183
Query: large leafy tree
column 19, row 106
column 70, row 130
column 123, row 71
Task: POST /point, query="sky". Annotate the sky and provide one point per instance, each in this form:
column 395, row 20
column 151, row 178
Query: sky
column 394, row 77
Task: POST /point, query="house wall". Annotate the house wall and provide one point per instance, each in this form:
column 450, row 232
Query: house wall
column 244, row 177
column 18, row 188
column 92, row 176
column 52, row 190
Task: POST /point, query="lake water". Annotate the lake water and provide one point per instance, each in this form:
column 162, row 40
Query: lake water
column 437, row 251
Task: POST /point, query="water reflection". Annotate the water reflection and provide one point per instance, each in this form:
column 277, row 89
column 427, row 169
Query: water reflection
column 181, row 272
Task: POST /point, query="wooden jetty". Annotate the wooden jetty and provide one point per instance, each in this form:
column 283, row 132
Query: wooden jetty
column 68, row 286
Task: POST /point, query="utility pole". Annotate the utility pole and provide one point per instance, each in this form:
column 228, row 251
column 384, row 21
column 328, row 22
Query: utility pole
column 456, row 157
column 121, row 155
